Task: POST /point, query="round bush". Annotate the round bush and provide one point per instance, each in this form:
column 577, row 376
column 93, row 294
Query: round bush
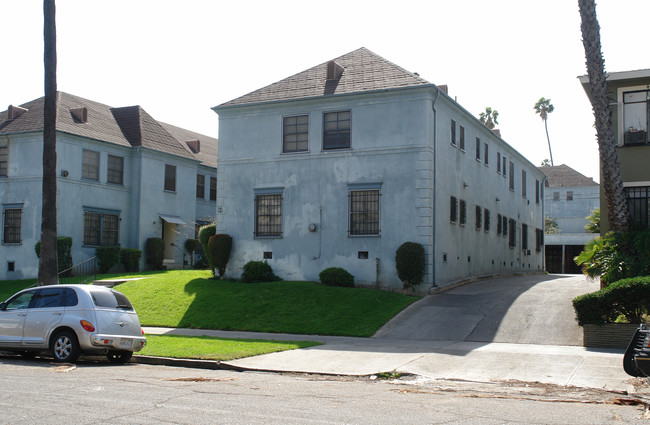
column 336, row 276
column 410, row 263
column 257, row 271
column 219, row 247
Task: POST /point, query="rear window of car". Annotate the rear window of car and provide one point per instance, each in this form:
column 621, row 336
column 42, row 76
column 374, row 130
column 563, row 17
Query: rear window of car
column 111, row 299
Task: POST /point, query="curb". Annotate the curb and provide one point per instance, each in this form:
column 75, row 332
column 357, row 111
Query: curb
column 189, row 363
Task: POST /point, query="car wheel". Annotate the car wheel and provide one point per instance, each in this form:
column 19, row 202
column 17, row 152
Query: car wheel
column 115, row 356
column 65, row 347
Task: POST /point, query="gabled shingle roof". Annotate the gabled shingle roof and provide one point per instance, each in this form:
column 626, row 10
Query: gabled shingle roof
column 363, row 71
column 565, row 176
column 129, row 126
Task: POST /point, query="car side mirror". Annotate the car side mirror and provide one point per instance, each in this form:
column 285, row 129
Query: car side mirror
column 3, row 306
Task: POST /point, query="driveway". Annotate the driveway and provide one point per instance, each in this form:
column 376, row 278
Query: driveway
column 523, row 310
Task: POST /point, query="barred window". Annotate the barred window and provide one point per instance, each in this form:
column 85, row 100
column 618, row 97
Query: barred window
column 295, row 134
column 512, row 237
column 462, row 138
column 486, row 156
column 90, row 165
column 512, row 176
column 101, row 228
column 170, row 178
column 498, row 162
column 364, row 213
column 4, row 160
column 12, row 225
column 638, row 205
column 539, row 240
column 486, row 220
column 115, row 169
column 523, row 183
column 200, row 186
column 453, row 133
column 524, row 236
column 503, row 168
column 463, row 212
column 213, row 188
column 268, row 215
column 479, row 218
column 478, row 149
column 537, row 187
column 499, row 225
column 336, row 130
column 504, row 219
column 453, row 209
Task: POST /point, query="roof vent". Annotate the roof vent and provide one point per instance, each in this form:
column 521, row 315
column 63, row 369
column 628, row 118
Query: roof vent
column 80, row 114
column 444, row 88
column 14, row 112
column 334, row 70
column 195, row 145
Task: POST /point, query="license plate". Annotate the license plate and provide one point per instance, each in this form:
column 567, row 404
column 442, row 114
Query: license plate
column 125, row 343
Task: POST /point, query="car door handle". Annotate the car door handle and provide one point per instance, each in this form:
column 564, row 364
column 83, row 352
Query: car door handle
column 22, row 314
column 57, row 313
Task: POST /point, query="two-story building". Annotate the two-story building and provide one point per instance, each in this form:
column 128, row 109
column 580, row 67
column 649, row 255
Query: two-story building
column 629, row 93
column 340, row 164
column 122, row 177
column 568, row 199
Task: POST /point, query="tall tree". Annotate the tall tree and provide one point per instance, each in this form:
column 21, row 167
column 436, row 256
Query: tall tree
column 618, row 215
column 543, row 107
column 47, row 268
column 489, row 117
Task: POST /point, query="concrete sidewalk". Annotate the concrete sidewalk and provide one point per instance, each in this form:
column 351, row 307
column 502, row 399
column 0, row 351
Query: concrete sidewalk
column 471, row 361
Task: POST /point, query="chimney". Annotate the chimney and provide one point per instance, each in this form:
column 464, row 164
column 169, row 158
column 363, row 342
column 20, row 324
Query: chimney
column 497, row 132
column 334, row 70
column 14, row 112
column 194, row 145
column 80, row 114
column 444, row 88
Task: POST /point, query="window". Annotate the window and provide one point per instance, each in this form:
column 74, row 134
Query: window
column 479, row 218
column 486, row 220
column 213, row 188
column 569, row 195
column 539, row 240
column 504, row 169
column 336, row 130
column 100, row 228
column 200, row 186
column 499, row 225
column 512, row 176
column 453, row 133
column 635, row 116
column 12, row 225
column 523, row 183
column 462, row 138
column 486, row 155
column 498, row 162
column 504, row 219
column 463, row 212
column 556, row 196
column 170, row 178
column 453, row 209
column 268, row 215
column 637, row 204
column 512, row 240
column 524, row 236
column 478, row 149
column 4, row 160
column 537, row 187
column 90, row 165
column 364, row 212
column 295, row 134
column 115, row 169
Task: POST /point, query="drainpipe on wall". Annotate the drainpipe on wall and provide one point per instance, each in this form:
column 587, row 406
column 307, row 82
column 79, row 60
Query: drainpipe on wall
column 435, row 181
column 320, row 232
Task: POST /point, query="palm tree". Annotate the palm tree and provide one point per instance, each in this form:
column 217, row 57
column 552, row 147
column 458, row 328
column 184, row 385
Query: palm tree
column 543, row 107
column 618, row 215
column 47, row 268
column 489, row 117
column 545, row 163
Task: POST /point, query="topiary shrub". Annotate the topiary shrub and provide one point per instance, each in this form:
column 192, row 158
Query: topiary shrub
column 155, row 250
column 190, row 246
column 410, row 263
column 63, row 253
column 257, row 271
column 130, row 259
column 204, row 237
column 336, row 276
column 629, row 298
column 107, row 257
column 219, row 247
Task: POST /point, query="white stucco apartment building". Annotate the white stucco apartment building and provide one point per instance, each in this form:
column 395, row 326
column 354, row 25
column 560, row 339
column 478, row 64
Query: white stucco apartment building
column 340, row 164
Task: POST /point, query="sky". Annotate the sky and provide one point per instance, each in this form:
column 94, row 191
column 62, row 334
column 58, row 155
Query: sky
column 178, row 59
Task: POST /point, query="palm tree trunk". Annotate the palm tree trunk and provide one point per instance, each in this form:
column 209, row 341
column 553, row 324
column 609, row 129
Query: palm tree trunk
column 47, row 268
column 618, row 215
column 549, row 142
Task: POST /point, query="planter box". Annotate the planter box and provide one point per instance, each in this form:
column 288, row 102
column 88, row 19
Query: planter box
column 609, row 335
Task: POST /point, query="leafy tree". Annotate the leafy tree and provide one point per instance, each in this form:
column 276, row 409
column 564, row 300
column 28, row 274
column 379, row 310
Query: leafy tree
column 545, row 163
column 489, row 117
column 550, row 226
column 47, row 266
column 618, row 215
column 543, row 107
column 594, row 221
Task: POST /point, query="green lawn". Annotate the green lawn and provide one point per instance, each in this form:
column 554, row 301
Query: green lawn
column 208, row 348
column 10, row 287
column 192, row 299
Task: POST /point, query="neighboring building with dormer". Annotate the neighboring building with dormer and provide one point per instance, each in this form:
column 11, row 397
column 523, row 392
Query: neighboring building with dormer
column 629, row 94
column 122, row 177
column 569, row 198
column 338, row 165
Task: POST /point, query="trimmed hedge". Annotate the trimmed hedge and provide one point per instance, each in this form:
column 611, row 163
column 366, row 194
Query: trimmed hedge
column 191, row 245
column 627, row 297
column 63, row 252
column 257, row 271
column 130, row 259
column 336, row 276
column 107, row 257
column 410, row 263
column 205, row 232
column 219, row 247
column 155, row 249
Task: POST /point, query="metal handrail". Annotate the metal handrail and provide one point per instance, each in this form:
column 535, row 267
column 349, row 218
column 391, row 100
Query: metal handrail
column 81, row 273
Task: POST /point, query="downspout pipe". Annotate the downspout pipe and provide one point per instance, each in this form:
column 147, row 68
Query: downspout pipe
column 435, row 181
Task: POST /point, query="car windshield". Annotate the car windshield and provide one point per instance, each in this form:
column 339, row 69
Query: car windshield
column 111, row 299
